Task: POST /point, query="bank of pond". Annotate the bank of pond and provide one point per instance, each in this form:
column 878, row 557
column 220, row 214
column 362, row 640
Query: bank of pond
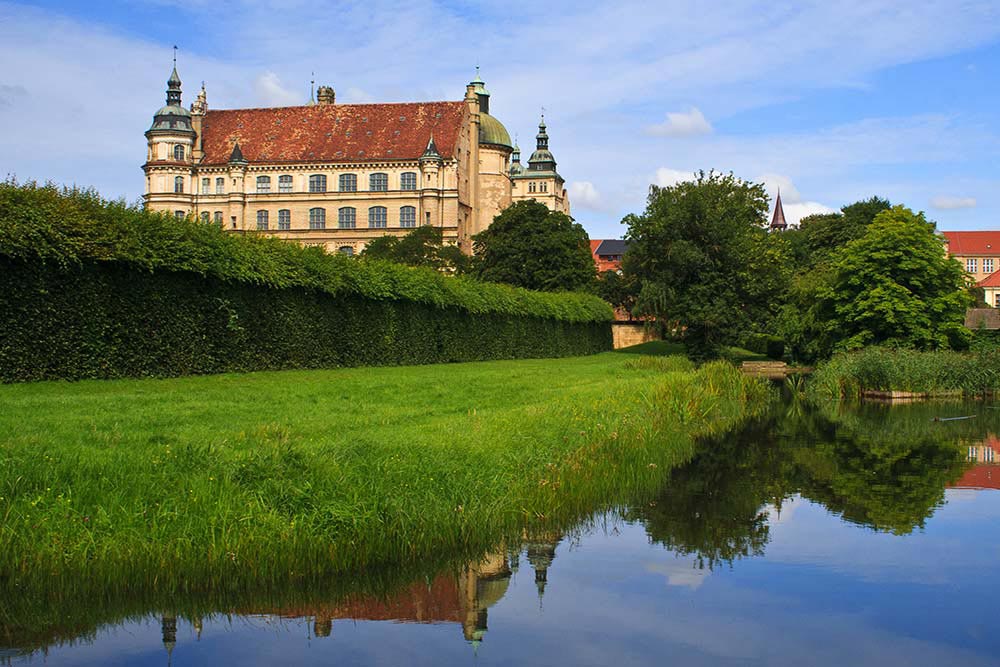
column 713, row 503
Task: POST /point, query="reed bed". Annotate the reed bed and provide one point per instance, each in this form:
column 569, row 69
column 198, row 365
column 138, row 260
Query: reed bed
column 939, row 373
column 152, row 489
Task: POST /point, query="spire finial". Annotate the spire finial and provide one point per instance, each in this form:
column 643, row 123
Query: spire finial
column 175, row 56
column 312, row 88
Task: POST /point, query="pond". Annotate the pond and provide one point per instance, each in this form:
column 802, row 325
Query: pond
column 818, row 536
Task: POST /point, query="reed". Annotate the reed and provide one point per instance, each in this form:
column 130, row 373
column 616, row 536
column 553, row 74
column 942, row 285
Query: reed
column 847, row 375
column 228, row 483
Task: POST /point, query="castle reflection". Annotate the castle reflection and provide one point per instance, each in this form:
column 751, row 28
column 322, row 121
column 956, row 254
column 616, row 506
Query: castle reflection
column 463, row 597
column 984, row 473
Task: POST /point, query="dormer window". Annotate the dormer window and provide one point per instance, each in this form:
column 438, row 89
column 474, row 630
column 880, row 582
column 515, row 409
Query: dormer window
column 179, row 153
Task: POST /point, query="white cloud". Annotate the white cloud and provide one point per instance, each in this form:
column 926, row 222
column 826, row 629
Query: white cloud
column 665, row 176
column 946, row 202
column 681, row 124
column 775, row 183
column 583, row 193
column 272, row 93
column 795, row 212
column 355, row 95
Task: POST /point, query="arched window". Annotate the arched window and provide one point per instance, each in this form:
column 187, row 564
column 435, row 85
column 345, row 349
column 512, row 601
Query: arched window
column 284, row 219
column 180, row 215
column 218, row 218
column 346, row 217
column 263, row 184
column 408, row 181
column 179, row 152
column 205, row 216
column 285, row 183
column 317, row 183
column 220, row 186
column 408, row 216
column 206, row 186
column 376, row 217
column 178, row 184
column 348, row 182
column 378, row 182
column 317, row 218
column 262, row 220
column 346, row 250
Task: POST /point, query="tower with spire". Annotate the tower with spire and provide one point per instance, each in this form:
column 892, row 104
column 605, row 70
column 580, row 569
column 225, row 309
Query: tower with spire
column 778, row 223
column 170, row 153
column 539, row 180
column 339, row 175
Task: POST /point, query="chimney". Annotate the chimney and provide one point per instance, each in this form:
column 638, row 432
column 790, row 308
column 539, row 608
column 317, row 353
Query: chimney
column 325, row 95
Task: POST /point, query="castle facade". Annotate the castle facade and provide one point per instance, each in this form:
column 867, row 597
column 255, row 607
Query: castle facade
column 339, row 175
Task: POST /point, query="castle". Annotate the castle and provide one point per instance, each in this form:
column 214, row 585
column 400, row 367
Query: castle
column 339, row 175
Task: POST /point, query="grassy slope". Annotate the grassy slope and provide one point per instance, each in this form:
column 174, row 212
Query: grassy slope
column 224, row 481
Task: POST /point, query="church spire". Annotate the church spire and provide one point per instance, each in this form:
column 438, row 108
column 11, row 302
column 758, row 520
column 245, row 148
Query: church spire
column 542, row 138
column 778, row 221
column 174, row 85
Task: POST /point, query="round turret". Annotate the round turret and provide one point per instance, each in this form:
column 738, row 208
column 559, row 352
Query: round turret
column 172, row 117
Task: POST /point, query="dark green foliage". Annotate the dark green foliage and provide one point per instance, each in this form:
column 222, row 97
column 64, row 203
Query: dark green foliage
column 767, row 344
column 893, row 286
column 706, row 262
column 424, row 246
column 822, row 233
column 619, row 289
column 529, row 246
column 98, row 289
column 881, row 369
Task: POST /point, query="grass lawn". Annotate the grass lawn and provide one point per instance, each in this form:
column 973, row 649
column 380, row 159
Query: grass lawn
column 231, row 480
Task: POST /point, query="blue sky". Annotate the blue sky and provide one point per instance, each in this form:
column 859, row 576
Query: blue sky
column 832, row 102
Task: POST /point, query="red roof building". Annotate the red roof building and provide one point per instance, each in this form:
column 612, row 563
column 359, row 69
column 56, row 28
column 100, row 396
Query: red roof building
column 608, row 253
column 340, row 175
column 979, row 254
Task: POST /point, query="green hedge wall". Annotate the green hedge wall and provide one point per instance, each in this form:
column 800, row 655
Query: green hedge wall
column 108, row 320
column 91, row 288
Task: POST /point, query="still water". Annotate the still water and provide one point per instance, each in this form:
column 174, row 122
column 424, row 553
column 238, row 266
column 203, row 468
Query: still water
column 830, row 536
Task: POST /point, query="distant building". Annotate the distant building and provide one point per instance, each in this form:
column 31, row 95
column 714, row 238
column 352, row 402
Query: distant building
column 608, row 253
column 339, row 175
column 979, row 254
column 778, row 223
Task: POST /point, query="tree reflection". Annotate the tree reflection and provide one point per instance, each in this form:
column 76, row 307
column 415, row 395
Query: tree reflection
column 877, row 466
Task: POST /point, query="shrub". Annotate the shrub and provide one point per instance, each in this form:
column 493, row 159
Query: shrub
column 100, row 289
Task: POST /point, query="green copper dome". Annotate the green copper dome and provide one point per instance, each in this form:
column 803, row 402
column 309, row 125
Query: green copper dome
column 492, row 131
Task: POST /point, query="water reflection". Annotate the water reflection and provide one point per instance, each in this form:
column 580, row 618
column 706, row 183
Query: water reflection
column 882, row 469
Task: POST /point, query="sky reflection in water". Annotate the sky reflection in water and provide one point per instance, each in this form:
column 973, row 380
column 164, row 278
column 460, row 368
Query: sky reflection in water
column 744, row 559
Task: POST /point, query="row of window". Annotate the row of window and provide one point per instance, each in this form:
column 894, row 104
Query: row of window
column 346, row 218
column 540, row 187
column 317, row 183
column 971, row 264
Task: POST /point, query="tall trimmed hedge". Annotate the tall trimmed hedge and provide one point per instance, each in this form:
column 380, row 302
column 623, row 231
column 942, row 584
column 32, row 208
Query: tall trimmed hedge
column 99, row 289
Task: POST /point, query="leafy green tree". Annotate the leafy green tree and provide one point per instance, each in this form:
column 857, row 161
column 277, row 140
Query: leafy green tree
column 823, row 233
column 619, row 289
column 424, row 246
column 530, row 246
column 705, row 260
column 893, row 286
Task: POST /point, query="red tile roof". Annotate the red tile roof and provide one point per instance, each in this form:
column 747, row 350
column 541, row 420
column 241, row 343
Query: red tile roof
column 979, row 476
column 332, row 132
column 973, row 243
column 992, row 280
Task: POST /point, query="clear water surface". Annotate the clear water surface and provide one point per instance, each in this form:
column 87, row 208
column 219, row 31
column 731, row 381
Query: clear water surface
column 831, row 536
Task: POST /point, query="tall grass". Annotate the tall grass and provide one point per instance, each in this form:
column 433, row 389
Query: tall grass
column 229, row 483
column 881, row 369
